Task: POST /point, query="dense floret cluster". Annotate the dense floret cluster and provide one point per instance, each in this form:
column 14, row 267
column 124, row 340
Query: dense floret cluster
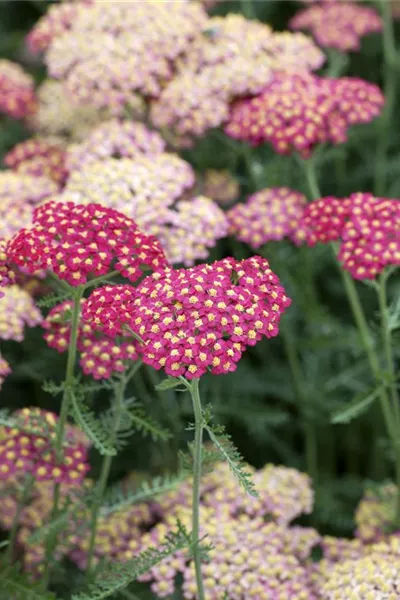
column 296, row 112
column 17, row 309
column 38, row 157
column 17, row 94
column 197, row 319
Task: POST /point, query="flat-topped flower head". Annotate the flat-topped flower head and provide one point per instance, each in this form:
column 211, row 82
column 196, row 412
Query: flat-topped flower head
column 77, row 243
column 104, row 73
column 221, row 186
column 17, row 92
column 101, row 355
column 339, row 25
column 375, row 513
column 5, row 370
column 38, row 157
column 115, row 139
column 323, row 220
column 198, row 319
column 57, row 21
column 232, row 57
column 270, row 214
column 296, row 112
column 17, row 310
column 57, row 115
column 28, row 448
column 368, row 578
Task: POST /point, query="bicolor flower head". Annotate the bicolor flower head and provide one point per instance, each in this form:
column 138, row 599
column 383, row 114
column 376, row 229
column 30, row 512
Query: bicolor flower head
column 28, row 447
column 101, row 356
column 57, row 21
column 104, row 73
column 17, row 310
column 7, row 275
column 339, row 25
column 17, row 92
column 270, row 214
column 115, row 139
column 296, row 112
column 40, row 158
column 197, row 319
column 77, row 243
column 375, row 512
column 366, row 226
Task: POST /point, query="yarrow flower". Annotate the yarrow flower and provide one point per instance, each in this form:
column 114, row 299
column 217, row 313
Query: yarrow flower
column 221, row 186
column 339, row 25
column 5, row 370
column 197, row 319
column 79, row 242
column 57, row 115
column 368, row 578
column 269, row 214
column 57, row 21
column 231, row 57
column 296, row 112
column 115, row 139
column 100, row 355
column 27, row 447
column 17, row 93
column 17, row 309
column 150, row 189
column 39, row 158
column 374, row 514
column 367, row 227
column 104, row 73
column 7, row 276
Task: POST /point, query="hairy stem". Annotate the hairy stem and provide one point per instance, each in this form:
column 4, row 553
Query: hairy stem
column 65, row 406
column 197, row 462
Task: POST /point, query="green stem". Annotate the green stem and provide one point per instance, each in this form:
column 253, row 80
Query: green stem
column 118, row 406
column 197, row 462
column 310, row 432
column 338, row 62
column 390, row 84
column 25, row 494
column 311, row 176
column 65, row 406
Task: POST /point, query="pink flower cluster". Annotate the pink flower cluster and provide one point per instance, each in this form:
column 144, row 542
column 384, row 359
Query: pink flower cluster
column 115, row 139
column 57, row 21
column 367, row 228
column 79, row 242
column 339, row 25
column 197, row 319
column 39, row 158
column 100, row 355
column 270, row 214
column 5, row 370
column 28, row 448
column 17, row 94
column 296, row 112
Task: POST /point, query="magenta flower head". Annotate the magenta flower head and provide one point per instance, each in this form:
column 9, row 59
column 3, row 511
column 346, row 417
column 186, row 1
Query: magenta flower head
column 101, row 355
column 296, row 112
column 17, row 93
column 198, row 319
column 28, row 448
column 339, row 25
column 39, row 158
column 367, row 228
column 79, row 242
column 270, row 214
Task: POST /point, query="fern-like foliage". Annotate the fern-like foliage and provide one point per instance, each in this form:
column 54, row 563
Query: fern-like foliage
column 91, row 425
column 17, row 586
column 229, row 452
column 117, row 576
column 146, row 425
column 119, row 496
column 52, row 299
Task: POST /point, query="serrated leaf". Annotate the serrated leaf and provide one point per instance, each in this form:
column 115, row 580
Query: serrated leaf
column 360, row 405
column 146, row 425
column 91, row 425
column 17, row 586
column 117, row 576
column 168, row 384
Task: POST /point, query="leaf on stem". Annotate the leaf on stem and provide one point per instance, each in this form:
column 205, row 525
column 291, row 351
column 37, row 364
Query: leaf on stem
column 91, row 425
column 18, row 586
column 168, row 384
column 117, row 576
column 359, row 406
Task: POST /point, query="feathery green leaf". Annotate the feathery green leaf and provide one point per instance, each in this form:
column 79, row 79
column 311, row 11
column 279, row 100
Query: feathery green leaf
column 360, row 405
column 91, row 425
